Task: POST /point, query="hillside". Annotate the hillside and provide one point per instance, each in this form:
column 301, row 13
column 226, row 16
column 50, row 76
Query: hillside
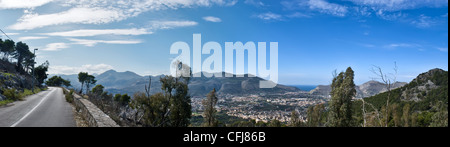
column 427, row 95
column 367, row 89
column 11, row 79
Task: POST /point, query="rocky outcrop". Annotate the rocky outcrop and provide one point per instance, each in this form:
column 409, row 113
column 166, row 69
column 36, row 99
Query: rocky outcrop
column 19, row 82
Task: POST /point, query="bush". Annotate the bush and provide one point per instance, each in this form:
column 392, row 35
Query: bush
column 11, row 94
column 69, row 96
column 27, row 92
column 5, row 102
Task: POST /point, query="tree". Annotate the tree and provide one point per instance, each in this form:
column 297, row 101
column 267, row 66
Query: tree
column 98, row 90
column 22, row 52
column 274, row 123
column 8, row 47
column 171, row 108
column 440, row 118
column 388, row 80
column 295, row 119
column 41, row 73
column 28, row 61
column 406, row 115
column 90, row 80
column 82, row 77
column 315, row 115
column 57, row 81
column 125, row 99
column 396, row 114
column 342, row 93
column 210, row 112
column 117, row 97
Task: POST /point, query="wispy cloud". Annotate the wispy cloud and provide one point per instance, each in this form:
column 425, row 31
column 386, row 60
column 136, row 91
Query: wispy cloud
column 17, row 4
column 91, row 43
column 104, row 11
column 157, row 25
column 75, row 15
column 269, row 16
column 86, row 33
column 212, row 19
column 298, row 15
column 256, row 3
column 327, row 7
column 397, row 5
column 91, row 69
column 443, row 49
column 31, row 38
column 405, row 46
column 55, row 46
column 423, row 21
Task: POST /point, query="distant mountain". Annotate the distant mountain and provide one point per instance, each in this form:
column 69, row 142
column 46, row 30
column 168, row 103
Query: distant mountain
column 130, row 83
column 367, row 89
column 234, row 86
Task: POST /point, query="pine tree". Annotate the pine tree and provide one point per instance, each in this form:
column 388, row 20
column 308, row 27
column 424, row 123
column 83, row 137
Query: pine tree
column 342, row 93
column 210, row 112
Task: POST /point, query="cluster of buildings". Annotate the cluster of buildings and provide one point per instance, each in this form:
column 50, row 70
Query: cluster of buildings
column 261, row 108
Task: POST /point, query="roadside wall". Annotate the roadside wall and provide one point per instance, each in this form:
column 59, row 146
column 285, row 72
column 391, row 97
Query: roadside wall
column 92, row 114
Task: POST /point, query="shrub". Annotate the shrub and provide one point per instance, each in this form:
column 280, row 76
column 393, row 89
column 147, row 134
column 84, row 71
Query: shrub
column 11, row 94
column 69, row 96
column 5, row 102
column 27, row 92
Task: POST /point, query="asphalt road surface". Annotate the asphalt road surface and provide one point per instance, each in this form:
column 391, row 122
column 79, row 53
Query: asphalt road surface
column 45, row 109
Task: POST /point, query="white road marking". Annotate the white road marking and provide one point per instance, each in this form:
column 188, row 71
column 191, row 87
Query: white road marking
column 31, row 111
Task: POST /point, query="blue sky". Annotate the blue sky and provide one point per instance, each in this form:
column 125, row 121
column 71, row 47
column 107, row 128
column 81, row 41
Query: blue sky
column 315, row 36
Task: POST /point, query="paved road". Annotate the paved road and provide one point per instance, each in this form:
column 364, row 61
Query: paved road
column 45, row 109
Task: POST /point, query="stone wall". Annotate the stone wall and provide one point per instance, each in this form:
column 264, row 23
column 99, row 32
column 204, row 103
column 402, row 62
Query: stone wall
column 92, row 114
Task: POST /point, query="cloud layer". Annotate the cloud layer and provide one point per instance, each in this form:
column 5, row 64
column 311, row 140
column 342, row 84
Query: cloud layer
column 19, row 4
column 91, row 69
column 106, row 11
column 89, row 32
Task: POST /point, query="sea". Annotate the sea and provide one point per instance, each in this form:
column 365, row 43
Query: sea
column 305, row 87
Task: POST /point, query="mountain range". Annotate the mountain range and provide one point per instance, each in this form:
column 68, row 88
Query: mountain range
column 130, row 83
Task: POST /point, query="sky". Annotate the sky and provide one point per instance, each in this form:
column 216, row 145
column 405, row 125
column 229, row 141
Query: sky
column 315, row 37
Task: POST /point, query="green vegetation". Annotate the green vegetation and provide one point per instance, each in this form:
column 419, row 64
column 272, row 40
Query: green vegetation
column 41, row 72
column 20, row 71
column 57, row 81
column 343, row 90
column 11, row 94
column 86, row 80
column 417, row 104
column 171, row 108
column 210, row 112
column 295, row 120
column 224, row 120
column 316, row 116
column 15, row 95
column 122, row 99
column 5, row 102
column 429, row 106
column 69, row 96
